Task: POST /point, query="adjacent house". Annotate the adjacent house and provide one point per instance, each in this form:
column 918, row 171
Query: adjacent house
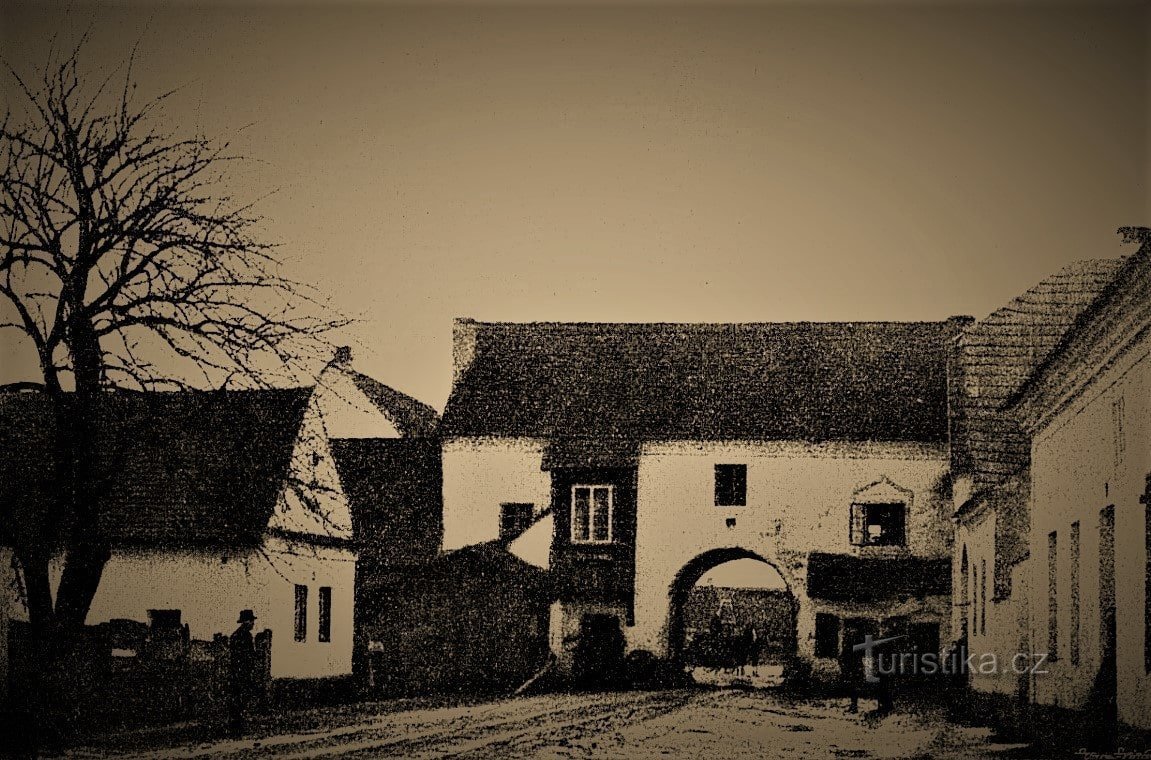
column 1087, row 412
column 991, row 469
column 636, row 457
column 213, row 502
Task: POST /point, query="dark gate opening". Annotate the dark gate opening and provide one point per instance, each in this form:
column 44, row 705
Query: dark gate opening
column 728, row 628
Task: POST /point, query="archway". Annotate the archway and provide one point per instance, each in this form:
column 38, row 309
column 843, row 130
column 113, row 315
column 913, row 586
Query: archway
column 742, row 595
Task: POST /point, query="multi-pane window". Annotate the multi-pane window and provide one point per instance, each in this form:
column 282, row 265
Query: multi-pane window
column 325, row 613
column 1053, row 595
column 301, row 616
column 1073, row 547
column 591, row 515
column 731, row 485
column 826, row 635
column 515, row 518
column 878, row 524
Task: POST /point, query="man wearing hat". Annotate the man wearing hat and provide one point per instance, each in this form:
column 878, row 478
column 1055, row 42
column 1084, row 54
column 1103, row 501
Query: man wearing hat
column 241, row 671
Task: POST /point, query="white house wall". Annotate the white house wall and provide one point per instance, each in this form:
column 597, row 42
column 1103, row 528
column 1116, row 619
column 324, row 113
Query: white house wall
column 210, row 589
column 996, row 628
column 1075, row 476
column 799, row 499
column 482, row 473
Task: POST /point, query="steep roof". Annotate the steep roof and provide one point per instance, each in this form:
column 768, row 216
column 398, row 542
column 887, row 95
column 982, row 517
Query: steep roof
column 412, row 418
column 1000, row 352
column 765, row 381
column 1120, row 311
column 181, row 469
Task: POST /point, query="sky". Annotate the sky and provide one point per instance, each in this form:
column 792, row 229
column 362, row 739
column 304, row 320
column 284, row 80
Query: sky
column 697, row 162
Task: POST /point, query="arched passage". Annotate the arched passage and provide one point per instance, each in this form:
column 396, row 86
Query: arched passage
column 691, row 573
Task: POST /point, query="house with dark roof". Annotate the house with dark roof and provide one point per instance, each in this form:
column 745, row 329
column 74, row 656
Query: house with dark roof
column 991, row 461
column 633, row 458
column 1086, row 412
column 217, row 501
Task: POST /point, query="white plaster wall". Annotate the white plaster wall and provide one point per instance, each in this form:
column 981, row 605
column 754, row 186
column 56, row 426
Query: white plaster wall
column 999, row 636
column 1075, row 476
column 482, row 473
column 211, row 589
column 798, row 500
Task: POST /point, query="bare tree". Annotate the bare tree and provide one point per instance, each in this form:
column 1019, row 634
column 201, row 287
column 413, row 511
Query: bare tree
column 125, row 263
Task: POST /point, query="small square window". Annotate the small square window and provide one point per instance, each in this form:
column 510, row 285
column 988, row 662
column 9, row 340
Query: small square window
column 731, row 485
column 515, row 518
column 878, row 524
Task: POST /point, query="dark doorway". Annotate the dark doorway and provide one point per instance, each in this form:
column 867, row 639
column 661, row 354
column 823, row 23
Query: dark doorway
column 599, row 654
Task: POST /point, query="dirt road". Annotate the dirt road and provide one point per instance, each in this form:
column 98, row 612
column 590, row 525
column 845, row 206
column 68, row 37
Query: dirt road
column 681, row 723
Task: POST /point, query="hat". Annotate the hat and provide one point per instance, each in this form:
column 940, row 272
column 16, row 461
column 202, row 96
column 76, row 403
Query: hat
column 246, row 616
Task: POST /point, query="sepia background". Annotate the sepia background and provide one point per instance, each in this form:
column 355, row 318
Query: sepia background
column 700, row 162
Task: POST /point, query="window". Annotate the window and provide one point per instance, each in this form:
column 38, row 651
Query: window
column 1052, row 595
column 1073, row 546
column 1117, row 429
column 878, row 524
column 982, row 597
column 515, row 518
column 591, row 514
column 731, row 485
column 301, row 620
column 826, row 635
column 325, row 613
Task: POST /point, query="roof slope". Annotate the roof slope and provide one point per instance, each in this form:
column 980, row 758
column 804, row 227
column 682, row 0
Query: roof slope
column 1000, row 352
column 412, row 418
column 182, row 469
column 765, row 381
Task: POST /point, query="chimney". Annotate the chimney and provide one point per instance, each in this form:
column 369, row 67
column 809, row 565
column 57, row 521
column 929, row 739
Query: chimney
column 464, row 331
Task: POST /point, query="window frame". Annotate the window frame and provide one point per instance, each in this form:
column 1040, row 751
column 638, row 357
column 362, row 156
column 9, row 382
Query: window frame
column 591, row 539
column 860, row 538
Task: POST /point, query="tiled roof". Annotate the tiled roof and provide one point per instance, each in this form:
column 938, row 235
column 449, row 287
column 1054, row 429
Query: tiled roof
column 1000, row 352
column 179, row 469
column 767, row 381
